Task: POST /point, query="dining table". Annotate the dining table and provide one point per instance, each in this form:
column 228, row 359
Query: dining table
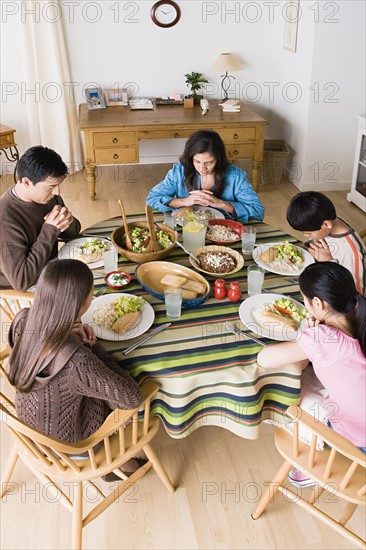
column 207, row 375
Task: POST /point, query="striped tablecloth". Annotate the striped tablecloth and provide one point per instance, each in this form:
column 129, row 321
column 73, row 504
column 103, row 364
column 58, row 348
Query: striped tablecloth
column 207, row 375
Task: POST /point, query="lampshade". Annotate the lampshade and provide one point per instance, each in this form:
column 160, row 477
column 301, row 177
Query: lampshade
column 226, row 62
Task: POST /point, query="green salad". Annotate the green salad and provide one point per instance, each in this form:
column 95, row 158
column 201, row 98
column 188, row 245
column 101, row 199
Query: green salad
column 140, row 238
column 289, row 252
column 93, row 245
column 127, row 304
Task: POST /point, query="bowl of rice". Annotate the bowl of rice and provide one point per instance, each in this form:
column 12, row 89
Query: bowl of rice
column 224, row 231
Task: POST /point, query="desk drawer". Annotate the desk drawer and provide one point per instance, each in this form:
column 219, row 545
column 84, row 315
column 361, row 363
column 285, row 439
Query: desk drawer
column 240, row 150
column 236, row 134
column 165, row 134
column 116, row 155
column 114, row 139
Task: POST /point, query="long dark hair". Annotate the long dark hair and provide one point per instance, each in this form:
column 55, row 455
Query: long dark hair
column 61, row 291
column 205, row 141
column 334, row 284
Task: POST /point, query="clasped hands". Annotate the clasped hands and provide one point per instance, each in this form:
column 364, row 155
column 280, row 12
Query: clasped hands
column 204, row 197
column 59, row 217
column 84, row 333
column 320, row 251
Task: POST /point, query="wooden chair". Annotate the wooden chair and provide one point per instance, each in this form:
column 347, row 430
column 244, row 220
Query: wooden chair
column 10, row 302
column 120, row 438
column 341, row 467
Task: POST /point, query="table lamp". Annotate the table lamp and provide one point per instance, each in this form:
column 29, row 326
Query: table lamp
column 224, row 63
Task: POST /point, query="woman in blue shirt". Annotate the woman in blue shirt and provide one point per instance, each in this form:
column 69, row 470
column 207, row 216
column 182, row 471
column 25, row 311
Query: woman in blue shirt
column 204, row 177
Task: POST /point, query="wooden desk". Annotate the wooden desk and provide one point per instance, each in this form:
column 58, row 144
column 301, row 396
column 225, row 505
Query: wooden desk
column 8, row 145
column 112, row 134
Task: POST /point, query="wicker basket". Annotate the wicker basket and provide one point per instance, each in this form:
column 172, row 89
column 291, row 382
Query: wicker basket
column 275, row 153
column 117, row 239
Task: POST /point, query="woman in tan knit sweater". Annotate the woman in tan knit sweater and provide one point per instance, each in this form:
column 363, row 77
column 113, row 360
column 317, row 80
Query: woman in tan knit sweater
column 63, row 383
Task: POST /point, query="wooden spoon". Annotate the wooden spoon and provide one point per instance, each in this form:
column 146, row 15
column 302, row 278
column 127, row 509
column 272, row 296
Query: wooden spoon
column 154, row 245
column 125, row 225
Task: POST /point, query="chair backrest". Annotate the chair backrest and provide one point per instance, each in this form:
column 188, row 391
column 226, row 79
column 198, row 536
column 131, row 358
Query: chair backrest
column 116, row 441
column 340, row 463
column 11, row 301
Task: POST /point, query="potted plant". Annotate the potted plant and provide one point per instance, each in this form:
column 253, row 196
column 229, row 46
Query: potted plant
column 195, row 81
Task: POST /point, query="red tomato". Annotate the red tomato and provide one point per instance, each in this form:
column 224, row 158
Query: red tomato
column 283, row 311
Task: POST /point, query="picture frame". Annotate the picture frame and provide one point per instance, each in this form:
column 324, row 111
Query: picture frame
column 291, row 23
column 115, row 97
column 95, row 98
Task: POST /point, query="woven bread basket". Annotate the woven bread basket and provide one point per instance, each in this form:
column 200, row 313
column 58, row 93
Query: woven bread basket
column 139, row 258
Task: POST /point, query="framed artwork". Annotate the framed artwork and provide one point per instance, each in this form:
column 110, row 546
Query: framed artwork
column 291, row 20
column 95, row 98
column 116, row 96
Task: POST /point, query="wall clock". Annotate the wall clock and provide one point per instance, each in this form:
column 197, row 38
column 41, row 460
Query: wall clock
column 165, row 13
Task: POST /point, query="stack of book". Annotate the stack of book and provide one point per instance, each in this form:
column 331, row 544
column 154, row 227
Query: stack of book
column 230, row 106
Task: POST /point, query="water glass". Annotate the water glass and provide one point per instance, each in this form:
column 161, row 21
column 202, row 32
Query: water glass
column 170, row 220
column 255, row 277
column 173, row 302
column 248, row 240
column 110, row 259
column 194, row 233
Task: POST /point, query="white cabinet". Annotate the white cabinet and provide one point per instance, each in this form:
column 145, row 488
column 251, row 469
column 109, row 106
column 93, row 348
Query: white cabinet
column 358, row 188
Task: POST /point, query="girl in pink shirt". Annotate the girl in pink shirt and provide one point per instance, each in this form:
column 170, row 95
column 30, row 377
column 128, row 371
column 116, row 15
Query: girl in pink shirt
column 335, row 343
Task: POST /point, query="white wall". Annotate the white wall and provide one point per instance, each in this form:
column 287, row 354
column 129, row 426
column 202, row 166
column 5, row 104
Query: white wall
column 338, row 65
column 123, row 47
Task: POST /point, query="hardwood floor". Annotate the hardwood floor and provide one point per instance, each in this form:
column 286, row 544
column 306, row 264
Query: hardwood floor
column 219, row 476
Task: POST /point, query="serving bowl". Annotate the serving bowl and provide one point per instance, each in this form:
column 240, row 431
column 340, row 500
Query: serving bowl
column 216, row 248
column 237, row 227
column 149, row 275
column 139, row 258
column 108, row 279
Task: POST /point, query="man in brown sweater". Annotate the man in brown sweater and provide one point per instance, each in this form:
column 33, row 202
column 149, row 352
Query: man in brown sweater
column 33, row 217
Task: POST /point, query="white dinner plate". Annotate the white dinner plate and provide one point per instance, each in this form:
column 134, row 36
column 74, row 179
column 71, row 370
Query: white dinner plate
column 144, row 321
column 217, row 215
column 261, row 248
column 69, row 251
column 250, row 317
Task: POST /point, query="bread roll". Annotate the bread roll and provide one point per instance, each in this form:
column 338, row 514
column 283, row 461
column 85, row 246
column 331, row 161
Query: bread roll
column 195, row 286
column 269, row 255
column 173, row 280
column 184, row 211
column 280, row 320
column 128, row 321
column 89, row 257
column 188, row 294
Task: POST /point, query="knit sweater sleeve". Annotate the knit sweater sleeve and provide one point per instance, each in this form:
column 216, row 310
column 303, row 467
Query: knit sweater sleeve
column 93, row 378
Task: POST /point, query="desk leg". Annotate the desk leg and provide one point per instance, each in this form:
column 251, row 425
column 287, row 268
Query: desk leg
column 90, row 178
column 256, row 175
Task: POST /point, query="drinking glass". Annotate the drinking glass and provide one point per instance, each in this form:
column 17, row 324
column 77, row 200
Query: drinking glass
column 170, row 220
column 194, row 233
column 248, row 240
column 110, row 259
column 255, row 276
column 173, row 302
